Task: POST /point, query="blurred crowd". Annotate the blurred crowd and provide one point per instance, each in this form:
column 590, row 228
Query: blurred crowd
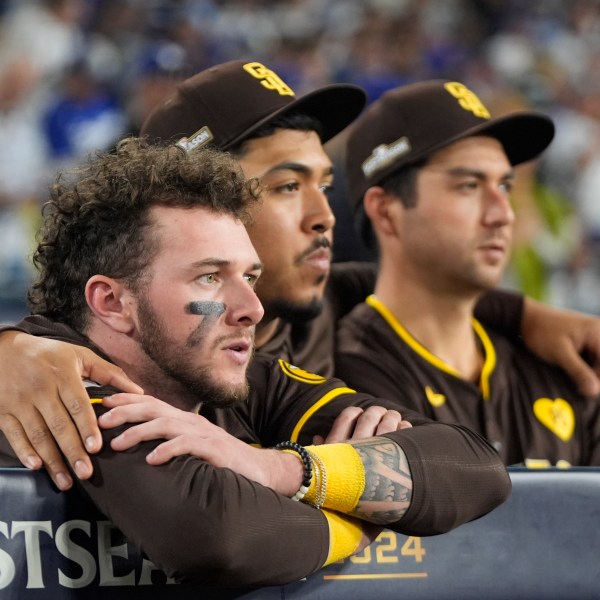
column 77, row 75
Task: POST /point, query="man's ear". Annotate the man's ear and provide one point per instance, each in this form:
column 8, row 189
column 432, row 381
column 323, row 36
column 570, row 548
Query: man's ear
column 111, row 302
column 380, row 207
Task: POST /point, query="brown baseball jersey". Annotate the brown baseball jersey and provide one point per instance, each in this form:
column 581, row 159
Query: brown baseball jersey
column 529, row 410
column 180, row 513
column 311, row 344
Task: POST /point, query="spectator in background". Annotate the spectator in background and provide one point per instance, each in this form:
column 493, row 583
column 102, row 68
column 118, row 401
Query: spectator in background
column 84, row 118
column 547, row 50
column 155, row 75
column 37, row 43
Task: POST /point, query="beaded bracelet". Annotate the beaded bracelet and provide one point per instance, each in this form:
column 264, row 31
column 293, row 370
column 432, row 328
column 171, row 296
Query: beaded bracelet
column 306, row 461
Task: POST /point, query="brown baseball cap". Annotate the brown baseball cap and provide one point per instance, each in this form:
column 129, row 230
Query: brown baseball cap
column 410, row 122
column 225, row 104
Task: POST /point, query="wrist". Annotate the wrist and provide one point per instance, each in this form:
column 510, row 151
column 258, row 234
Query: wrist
column 346, row 536
column 289, row 474
column 339, row 477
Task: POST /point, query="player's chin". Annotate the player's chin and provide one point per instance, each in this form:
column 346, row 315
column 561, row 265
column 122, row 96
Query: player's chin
column 309, row 277
column 311, row 291
column 319, row 279
column 488, row 281
column 298, row 309
column 232, row 369
column 230, row 392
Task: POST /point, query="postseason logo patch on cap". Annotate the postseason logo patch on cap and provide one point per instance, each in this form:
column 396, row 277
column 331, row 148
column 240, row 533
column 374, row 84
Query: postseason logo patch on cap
column 197, row 140
column 384, row 155
column 267, row 78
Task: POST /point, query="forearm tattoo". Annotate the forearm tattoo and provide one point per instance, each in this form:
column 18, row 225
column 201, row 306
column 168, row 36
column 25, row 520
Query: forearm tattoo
column 388, row 483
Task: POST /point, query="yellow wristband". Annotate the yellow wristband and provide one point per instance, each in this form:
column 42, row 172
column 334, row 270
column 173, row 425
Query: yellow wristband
column 344, row 476
column 345, row 534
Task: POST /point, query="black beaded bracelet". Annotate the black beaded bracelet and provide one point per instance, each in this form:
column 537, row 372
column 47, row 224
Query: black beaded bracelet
column 302, row 452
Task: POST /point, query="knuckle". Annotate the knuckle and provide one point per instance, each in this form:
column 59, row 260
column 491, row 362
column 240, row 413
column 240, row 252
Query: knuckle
column 7, row 423
column 164, row 426
column 115, row 413
column 53, row 463
column 39, row 436
column 376, row 411
column 128, row 436
column 73, row 456
column 155, row 413
column 74, row 451
column 75, row 406
column 15, row 435
column 58, row 425
column 351, row 412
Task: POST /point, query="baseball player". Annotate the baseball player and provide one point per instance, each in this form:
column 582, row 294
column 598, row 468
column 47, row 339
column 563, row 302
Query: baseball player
column 431, row 173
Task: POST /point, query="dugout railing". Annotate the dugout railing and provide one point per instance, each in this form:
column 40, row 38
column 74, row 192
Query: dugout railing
column 543, row 543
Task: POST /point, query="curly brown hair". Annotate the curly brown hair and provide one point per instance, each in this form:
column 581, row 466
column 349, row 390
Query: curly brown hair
column 97, row 220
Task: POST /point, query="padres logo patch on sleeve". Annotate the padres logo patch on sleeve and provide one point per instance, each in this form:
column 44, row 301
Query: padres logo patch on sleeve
column 300, row 374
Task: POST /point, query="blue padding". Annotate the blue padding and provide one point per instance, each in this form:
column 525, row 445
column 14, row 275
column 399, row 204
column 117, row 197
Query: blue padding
column 543, row 543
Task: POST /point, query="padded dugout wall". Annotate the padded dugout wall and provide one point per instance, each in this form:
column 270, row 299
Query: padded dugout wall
column 543, row 543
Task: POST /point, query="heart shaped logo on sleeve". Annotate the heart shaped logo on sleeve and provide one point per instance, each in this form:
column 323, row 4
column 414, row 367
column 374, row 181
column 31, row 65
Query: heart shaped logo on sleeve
column 557, row 415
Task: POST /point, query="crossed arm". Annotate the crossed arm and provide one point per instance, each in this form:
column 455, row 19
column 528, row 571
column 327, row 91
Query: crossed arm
column 419, row 480
column 384, row 498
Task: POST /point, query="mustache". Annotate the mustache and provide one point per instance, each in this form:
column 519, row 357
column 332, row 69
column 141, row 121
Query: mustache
column 248, row 336
column 197, row 337
column 497, row 236
column 317, row 244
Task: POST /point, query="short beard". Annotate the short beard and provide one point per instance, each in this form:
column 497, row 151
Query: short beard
column 199, row 384
column 193, row 385
column 294, row 312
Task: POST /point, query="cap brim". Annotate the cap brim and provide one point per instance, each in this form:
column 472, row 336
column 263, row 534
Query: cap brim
column 334, row 106
column 524, row 135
